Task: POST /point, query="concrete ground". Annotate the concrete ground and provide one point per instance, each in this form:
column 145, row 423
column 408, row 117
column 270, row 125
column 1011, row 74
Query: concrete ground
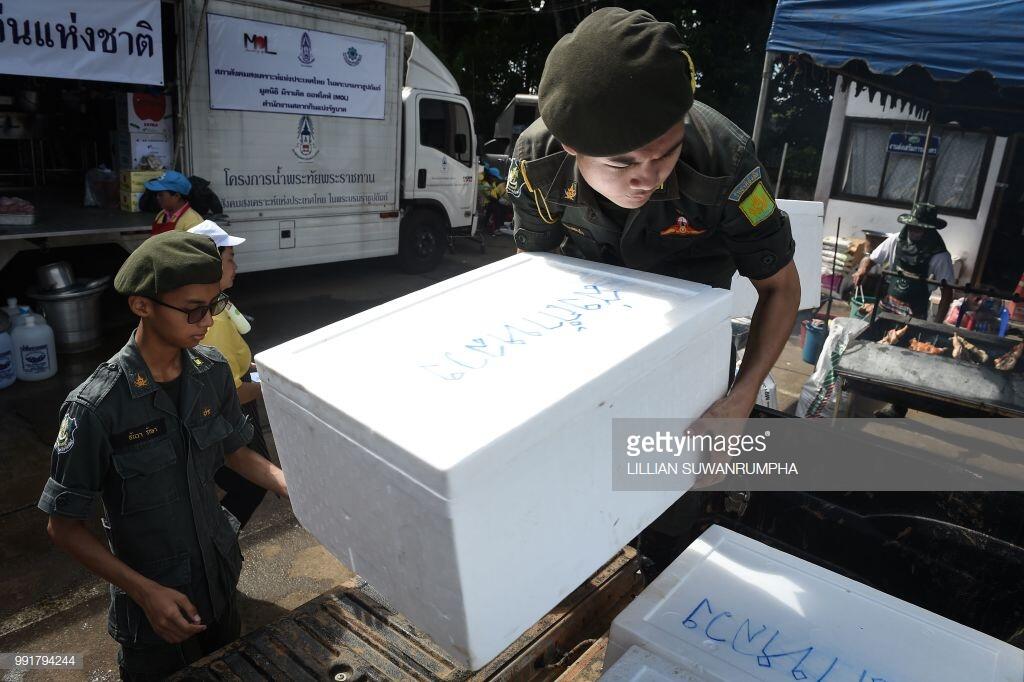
column 52, row 605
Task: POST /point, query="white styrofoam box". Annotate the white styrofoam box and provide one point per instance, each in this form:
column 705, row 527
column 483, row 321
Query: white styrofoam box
column 806, row 220
column 143, row 112
column 638, row 665
column 453, row 446
column 732, row 609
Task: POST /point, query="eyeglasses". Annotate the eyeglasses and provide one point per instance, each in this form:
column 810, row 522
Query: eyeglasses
column 196, row 315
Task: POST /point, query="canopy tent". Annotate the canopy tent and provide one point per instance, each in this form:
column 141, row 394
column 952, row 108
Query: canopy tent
column 955, row 60
column 951, row 61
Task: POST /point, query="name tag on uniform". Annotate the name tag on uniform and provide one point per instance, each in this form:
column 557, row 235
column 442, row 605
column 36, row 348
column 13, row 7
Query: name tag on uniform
column 139, row 434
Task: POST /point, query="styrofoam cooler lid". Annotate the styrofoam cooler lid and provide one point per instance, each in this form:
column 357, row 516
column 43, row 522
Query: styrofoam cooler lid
column 638, row 665
column 731, row 608
column 447, row 370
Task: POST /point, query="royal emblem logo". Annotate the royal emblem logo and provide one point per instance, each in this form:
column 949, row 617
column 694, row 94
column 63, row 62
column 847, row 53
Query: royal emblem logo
column 305, row 148
column 305, row 50
column 352, row 56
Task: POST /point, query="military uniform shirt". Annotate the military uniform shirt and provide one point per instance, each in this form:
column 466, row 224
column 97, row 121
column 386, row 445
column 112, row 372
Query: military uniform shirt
column 152, row 463
column 713, row 216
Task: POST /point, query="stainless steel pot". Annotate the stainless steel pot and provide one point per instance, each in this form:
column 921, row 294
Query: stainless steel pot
column 53, row 276
column 74, row 314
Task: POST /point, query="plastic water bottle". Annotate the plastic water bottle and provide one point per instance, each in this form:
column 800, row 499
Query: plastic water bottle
column 35, row 353
column 12, row 308
column 241, row 324
column 7, row 370
column 19, row 318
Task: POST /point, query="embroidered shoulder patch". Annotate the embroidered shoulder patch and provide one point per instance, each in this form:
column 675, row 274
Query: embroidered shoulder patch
column 758, row 205
column 66, row 435
column 751, row 177
column 570, row 192
column 514, row 186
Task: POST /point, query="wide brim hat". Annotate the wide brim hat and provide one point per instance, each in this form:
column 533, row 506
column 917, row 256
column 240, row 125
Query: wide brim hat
column 925, row 216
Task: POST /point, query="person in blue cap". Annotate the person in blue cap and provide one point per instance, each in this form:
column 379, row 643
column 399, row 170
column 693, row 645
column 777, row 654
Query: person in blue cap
column 172, row 190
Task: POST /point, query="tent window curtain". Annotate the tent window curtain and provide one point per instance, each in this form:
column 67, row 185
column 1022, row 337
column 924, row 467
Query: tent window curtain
column 951, row 179
column 957, row 169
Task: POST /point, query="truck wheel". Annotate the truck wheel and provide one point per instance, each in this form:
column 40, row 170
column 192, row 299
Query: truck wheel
column 421, row 241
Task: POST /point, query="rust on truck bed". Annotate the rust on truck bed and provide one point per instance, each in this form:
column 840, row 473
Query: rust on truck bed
column 349, row 635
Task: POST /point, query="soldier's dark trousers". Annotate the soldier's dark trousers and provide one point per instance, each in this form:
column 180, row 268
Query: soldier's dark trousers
column 155, row 662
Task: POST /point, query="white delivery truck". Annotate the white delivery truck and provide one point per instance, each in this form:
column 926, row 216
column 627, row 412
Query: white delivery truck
column 327, row 135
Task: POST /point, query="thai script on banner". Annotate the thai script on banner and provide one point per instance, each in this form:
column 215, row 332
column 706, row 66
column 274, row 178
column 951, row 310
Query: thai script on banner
column 100, row 41
column 260, row 66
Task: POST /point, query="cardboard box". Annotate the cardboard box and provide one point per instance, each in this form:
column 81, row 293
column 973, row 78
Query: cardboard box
column 134, row 181
column 133, row 151
column 130, row 201
column 144, row 113
column 454, row 446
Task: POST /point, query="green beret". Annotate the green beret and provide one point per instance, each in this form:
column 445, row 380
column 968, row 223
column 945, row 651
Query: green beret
column 616, row 83
column 168, row 261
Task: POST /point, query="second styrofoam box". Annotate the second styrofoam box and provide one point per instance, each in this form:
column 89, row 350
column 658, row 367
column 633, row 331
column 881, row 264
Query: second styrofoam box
column 638, row 665
column 453, row 446
column 731, row 609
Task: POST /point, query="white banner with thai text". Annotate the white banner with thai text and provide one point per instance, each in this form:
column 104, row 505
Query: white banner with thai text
column 87, row 39
column 258, row 66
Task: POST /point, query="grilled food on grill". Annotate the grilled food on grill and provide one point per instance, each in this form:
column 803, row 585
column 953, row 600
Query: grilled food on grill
column 893, row 336
column 1007, row 362
column 964, row 348
column 925, row 347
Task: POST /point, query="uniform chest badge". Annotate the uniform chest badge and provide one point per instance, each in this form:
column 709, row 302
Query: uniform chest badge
column 207, row 411
column 681, row 228
column 570, row 192
column 141, row 381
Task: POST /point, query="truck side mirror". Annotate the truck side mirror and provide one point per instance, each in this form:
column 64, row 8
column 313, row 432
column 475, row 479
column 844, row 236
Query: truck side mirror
column 460, row 144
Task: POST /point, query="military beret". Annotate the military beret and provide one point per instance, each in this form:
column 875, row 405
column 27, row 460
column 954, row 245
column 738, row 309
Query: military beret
column 616, row 83
column 168, row 261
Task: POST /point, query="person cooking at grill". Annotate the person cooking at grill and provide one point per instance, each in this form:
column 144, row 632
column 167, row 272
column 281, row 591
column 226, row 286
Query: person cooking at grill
column 172, row 189
column 146, row 433
column 624, row 167
column 917, row 249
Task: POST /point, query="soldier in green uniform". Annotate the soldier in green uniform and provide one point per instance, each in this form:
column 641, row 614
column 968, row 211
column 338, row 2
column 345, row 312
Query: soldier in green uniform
column 145, row 434
column 623, row 167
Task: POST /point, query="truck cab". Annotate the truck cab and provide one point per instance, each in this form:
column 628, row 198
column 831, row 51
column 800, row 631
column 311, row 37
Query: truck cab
column 517, row 117
column 439, row 166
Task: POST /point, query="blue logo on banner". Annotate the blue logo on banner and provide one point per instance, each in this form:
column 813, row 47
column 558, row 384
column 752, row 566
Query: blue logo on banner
column 352, row 56
column 305, row 50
